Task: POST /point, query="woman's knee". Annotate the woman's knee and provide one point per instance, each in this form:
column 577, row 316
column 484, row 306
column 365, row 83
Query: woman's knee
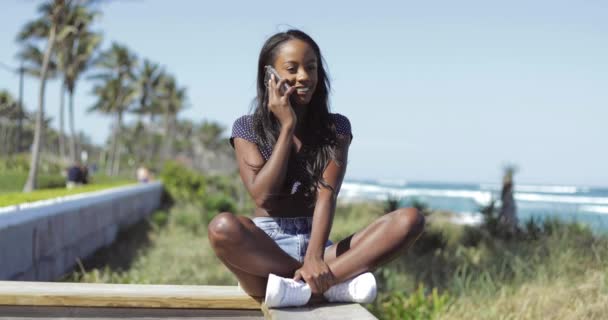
column 255, row 290
column 224, row 227
column 409, row 219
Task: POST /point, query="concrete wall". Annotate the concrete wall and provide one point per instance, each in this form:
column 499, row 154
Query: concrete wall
column 41, row 241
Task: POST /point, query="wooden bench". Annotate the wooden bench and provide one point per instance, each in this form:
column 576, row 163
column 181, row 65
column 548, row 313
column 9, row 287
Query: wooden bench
column 46, row 300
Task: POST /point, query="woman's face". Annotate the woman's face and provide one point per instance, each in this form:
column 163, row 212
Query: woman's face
column 296, row 61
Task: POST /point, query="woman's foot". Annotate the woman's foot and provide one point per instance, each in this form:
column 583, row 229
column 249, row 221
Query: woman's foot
column 360, row 289
column 284, row 292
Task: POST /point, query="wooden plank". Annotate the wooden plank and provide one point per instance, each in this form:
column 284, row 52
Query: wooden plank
column 22, row 293
column 334, row 311
column 100, row 313
column 120, row 313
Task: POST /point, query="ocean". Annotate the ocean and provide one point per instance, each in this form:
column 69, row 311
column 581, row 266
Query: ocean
column 588, row 205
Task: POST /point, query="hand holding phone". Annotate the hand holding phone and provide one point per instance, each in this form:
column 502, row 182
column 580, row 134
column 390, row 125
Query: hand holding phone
column 280, row 105
column 269, row 72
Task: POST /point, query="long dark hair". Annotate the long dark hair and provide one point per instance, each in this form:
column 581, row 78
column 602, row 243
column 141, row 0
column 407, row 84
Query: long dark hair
column 320, row 146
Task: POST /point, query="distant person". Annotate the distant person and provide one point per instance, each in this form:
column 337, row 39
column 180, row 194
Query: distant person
column 292, row 155
column 84, row 170
column 143, row 174
column 75, row 176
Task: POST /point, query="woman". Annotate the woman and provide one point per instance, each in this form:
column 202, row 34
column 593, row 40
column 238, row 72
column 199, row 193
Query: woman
column 292, row 155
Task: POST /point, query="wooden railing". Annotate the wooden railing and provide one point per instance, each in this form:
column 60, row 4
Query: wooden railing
column 118, row 301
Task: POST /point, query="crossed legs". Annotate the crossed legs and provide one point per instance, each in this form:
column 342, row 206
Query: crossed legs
column 251, row 255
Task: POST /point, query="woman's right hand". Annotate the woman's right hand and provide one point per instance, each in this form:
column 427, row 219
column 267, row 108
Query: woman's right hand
column 279, row 104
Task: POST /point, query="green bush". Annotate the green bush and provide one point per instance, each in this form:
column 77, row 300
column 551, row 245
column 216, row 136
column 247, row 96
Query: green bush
column 217, row 203
column 392, row 203
column 50, row 182
column 17, row 163
column 223, row 184
column 159, row 219
column 21, row 163
column 184, row 185
column 429, row 241
column 14, row 171
column 418, row 305
column 210, row 195
column 191, row 219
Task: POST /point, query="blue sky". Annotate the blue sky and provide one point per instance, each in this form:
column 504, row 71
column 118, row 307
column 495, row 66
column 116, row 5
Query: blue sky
column 435, row 90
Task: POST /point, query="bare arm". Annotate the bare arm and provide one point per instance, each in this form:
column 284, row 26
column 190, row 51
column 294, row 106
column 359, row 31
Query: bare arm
column 314, row 270
column 263, row 183
column 325, row 205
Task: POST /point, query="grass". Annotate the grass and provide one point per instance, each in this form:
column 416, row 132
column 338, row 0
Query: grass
column 12, row 182
column 8, row 199
column 559, row 271
column 535, row 275
column 582, row 297
column 14, row 170
column 176, row 251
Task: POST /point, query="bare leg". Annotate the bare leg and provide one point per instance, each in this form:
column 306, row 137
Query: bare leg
column 374, row 245
column 248, row 252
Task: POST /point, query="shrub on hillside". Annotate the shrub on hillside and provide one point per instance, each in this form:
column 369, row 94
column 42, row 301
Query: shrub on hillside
column 183, row 184
column 21, row 163
column 222, row 184
column 418, row 305
column 217, row 203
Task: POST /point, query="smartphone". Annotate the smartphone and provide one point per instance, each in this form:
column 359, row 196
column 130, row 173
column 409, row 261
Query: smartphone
column 269, row 70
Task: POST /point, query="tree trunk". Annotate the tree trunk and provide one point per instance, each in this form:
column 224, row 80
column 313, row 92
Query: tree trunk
column 30, row 184
column 172, row 133
column 102, row 156
column 4, row 147
column 168, row 139
column 21, row 111
column 112, row 156
column 73, row 149
column 61, row 122
column 151, row 146
column 117, row 153
column 9, row 140
column 116, row 167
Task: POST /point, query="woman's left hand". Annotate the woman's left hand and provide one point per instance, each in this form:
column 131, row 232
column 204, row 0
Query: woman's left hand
column 316, row 273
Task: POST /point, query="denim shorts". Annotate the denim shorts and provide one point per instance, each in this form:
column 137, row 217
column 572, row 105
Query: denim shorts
column 291, row 234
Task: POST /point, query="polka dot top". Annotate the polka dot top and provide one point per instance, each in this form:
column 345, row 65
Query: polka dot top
column 243, row 128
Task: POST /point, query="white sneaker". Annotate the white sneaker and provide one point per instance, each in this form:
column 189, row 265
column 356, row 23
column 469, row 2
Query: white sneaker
column 360, row 289
column 284, row 292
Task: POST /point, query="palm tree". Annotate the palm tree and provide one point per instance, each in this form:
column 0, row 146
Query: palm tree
column 33, row 58
column 116, row 92
column 184, row 134
column 112, row 100
column 50, row 27
column 150, row 77
column 210, row 134
column 74, row 58
column 173, row 100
